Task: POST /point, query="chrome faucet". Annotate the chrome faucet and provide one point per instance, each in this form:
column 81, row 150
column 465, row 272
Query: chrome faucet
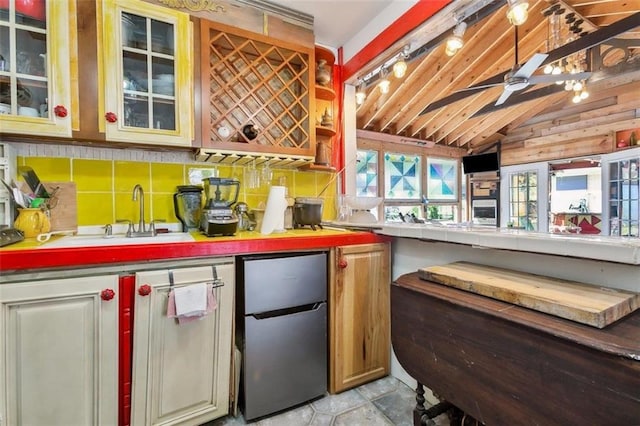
column 142, row 230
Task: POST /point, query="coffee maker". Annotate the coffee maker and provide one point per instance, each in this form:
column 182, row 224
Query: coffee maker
column 218, row 218
column 187, row 205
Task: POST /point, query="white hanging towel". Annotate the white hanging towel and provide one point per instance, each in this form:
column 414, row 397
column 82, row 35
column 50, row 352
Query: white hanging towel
column 191, row 300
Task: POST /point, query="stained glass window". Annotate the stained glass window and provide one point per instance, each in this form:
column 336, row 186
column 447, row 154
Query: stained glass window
column 442, row 179
column 367, row 173
column 402, row 176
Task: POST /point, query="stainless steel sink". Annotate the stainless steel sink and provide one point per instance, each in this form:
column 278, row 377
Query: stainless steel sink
column 116, row 240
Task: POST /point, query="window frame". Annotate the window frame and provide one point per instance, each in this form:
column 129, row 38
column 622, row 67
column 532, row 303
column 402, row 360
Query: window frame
column 383, row 147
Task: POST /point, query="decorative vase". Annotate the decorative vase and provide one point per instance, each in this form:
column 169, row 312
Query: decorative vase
column 32, row 222
column 327, row 119
column 323, row 75
column 323, row 153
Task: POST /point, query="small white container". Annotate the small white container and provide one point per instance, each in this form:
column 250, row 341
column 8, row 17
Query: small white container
column 28, row 111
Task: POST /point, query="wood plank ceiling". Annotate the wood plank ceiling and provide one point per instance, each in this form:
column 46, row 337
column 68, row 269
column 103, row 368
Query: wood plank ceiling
column 489, row 50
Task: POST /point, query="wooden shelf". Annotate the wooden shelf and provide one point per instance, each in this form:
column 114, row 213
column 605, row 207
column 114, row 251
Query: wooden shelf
column 326, row 54
column 325, row 131
column 316, row 168
column 325, row 93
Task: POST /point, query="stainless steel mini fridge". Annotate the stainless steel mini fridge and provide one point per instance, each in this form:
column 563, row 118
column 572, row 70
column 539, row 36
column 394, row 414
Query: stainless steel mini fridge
column 282, row 318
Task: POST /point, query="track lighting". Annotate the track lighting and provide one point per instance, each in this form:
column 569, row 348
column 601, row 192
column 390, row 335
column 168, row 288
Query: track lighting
column 361, row 95
column 455, row 41
column 518, row 11
column 384, row 82
column 400, row 67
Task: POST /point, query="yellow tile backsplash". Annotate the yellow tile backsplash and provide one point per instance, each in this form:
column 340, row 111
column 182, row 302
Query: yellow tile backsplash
column 126, row 174
column 49, row 169
column 105, row 187
column 93, row 175
column 95, row 208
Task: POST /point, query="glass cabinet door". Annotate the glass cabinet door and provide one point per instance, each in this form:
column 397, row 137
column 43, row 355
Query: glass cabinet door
column 26, row 87
column 150, row 77
column 624, row 197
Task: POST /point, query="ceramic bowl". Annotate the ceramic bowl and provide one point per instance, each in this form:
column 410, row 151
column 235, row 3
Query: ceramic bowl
column 166, row 78
column 28, row 111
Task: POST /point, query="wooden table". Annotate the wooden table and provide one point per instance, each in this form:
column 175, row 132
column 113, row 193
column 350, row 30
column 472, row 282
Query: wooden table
column 508, row 365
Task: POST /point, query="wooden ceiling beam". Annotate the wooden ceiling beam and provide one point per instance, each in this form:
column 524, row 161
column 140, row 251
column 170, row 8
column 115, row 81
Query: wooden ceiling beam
column 596, row 10
column 532, row 43
column 438, row 72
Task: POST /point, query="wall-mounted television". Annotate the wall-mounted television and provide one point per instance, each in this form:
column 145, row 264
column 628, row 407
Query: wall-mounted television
column 478, row 163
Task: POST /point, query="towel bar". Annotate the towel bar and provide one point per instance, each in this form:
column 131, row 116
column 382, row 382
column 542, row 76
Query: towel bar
column 216, row 282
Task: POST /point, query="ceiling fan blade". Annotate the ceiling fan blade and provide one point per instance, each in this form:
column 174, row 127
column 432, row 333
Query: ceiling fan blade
column 484, row 86
column 552, row 78
column 585, row 42
column 531, row 65
column 505, row 95
column 519, row 98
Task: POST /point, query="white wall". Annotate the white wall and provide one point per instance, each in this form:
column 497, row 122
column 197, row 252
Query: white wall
column 378, row 24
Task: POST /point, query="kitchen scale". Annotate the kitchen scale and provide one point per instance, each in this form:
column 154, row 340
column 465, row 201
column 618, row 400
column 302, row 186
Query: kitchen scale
column 218, row 218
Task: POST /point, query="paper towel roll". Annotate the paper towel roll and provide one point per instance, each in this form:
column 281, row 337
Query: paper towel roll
column 273, row 220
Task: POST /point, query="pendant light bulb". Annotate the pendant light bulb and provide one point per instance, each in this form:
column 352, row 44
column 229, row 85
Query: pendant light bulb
column 568, row 86
column 576, row 98
column 518, row 11
column 548, row 69
column 384, row 82
column 384, row 85
column 577, row 86
column 584, row 94
column 455, row 41
column 400, row 68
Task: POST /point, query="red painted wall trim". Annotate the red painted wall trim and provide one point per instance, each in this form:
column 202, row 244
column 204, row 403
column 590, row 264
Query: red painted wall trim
column 125, row 352
column 412, row 18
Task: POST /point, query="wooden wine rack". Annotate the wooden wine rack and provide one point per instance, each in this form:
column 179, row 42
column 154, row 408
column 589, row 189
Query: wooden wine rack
column 248, row 78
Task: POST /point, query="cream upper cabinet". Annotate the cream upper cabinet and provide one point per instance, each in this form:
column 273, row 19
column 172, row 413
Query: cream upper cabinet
column 146, row 71
column 59, row 352
column 181, row 371
column 35, row 80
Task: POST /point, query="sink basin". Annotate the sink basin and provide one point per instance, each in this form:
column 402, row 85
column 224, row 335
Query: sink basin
column 117, row 240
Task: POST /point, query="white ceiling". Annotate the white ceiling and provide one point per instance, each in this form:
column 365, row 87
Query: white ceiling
column 337, row 21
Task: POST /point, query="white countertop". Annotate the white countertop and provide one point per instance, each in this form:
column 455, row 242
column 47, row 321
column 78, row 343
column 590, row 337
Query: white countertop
column 599, row 247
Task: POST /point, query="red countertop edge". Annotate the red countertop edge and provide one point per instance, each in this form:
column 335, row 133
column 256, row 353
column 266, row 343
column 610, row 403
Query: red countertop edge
column 41, row 258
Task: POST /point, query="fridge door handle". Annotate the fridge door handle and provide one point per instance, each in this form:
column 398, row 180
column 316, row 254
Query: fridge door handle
column 287, row 311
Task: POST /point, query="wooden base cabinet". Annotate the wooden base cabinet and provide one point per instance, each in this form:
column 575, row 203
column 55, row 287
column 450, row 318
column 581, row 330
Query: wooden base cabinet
column 359, row 315
column 59, row 352
column 181, row 372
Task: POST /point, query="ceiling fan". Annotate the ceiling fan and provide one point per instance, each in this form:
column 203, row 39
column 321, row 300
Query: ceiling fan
column 521, row 76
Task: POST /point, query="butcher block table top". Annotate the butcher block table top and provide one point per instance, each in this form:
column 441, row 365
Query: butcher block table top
column 583, row 303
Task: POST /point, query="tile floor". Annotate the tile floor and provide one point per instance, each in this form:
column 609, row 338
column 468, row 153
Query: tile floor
column 385, row 402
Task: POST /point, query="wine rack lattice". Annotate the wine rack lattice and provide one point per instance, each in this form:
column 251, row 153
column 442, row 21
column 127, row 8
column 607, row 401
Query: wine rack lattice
column 251, row 81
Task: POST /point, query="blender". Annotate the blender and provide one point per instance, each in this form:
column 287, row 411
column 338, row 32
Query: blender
column 218, row 218
column 187, row 205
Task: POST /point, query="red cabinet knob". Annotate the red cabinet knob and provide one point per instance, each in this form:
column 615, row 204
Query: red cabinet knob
column 342, row 263
column 107, row 294
column 144, row 290
column 60, row 111
column 111, row 117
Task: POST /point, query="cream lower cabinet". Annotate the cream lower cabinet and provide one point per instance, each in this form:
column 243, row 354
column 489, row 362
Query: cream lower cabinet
column 58, row 352
column 359, row 315
column 181, row 372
